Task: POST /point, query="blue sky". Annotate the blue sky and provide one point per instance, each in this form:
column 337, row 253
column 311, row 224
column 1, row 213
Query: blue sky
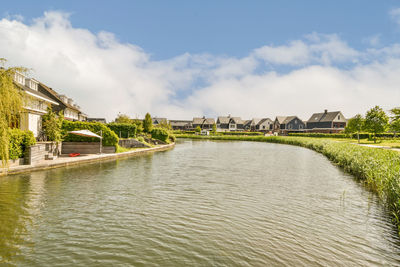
column 170, row 28
column 181, row 59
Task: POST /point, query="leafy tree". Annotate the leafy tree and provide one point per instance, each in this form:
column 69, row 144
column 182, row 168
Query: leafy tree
column 376, row 121
column 139, row 125
column 355, row 125
column 11, row 104
column 198, row 129
column 122, row 118
column 214, row 129
column 395, row 120
column 165, row 125
column 52, row 124
column 147, row 123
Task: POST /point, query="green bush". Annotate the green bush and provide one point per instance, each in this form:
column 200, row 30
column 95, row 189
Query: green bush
column 124, row 130
column 109, row 137
column 19, row 142
column 160, row 134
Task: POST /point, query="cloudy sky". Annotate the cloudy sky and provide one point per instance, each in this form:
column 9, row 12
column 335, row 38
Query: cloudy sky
column 189, row 59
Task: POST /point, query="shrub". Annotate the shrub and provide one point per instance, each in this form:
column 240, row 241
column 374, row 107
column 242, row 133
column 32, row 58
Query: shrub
column 109, row 137
column 124, row 130
column 160, row 134
column 52, row 125
column 19, row 142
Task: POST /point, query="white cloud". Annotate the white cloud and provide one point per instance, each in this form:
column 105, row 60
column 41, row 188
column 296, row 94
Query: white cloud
column 395, row 15
column 105, row 76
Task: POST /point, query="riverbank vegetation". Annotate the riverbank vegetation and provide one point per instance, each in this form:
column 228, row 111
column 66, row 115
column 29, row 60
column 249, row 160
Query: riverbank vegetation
column 378, row 169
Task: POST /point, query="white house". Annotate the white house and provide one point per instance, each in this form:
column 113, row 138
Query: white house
column 35, row 104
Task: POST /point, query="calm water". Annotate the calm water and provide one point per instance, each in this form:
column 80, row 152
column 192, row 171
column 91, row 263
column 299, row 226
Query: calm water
column 201, row 204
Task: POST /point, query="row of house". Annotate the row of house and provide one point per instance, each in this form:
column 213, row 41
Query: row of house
column 324, row 122
column 38, row 97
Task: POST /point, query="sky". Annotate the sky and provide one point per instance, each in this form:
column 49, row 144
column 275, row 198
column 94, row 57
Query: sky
column 181, row 59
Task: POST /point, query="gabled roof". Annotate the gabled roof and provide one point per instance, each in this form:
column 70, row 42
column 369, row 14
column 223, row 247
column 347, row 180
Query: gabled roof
column 180, row 123
column 198, row 120
column 324, row 116
column 237, row 120
column 35, row 93
column 224, row 120
column 286, row 119
column 281, row 119
column 263, row 120
column 209, row 121
column 159, row 120
column 56, row 96
column 203, row 121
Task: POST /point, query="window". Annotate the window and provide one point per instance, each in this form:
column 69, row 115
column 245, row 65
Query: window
column 338, row 117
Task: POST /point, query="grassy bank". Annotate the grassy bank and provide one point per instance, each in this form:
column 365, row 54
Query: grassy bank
column 379, row 169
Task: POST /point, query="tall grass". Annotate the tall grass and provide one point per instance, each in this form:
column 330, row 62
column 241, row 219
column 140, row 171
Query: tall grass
column 378, row 169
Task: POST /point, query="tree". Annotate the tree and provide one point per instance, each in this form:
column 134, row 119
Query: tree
column 355, row 125
column 214, row 129
column 147, row 123
column 198, row 129
column 122, row 118
column 11, row 104
column 52, row 124
column 376, row 121
column 395, row 120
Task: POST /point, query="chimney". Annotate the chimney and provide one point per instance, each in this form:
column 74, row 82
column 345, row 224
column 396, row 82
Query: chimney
column 326, row 111
column 204, row 117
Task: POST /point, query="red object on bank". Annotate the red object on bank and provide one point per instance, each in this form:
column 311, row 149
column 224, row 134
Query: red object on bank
column 74, row 154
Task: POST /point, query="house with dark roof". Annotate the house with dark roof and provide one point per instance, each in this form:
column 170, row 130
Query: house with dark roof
column 327, row 122
column 181, row 124
column 227, row 124
column 71, row 110
column 286, row 124
column 35, row 104
column 264, row 125
column 257, row 124
column 204, row 123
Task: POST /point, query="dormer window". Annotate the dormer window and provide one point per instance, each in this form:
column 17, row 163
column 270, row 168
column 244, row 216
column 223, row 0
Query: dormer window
column 19, row 78
column 32, row 84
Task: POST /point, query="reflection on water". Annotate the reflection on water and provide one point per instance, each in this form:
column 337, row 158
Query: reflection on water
column 203, row 203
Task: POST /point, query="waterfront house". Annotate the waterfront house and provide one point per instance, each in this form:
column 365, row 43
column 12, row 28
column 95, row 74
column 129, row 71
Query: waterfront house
column 227, row 124
column 286, row 124
column 35, row 104
column 204, row 123
column 183, row 125
column 264, row 125
column 70, row 110
column 326, row 122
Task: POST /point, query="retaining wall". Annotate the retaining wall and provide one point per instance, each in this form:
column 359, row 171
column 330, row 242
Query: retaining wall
column 42, row 151
column 85, row 148
column 131, row 143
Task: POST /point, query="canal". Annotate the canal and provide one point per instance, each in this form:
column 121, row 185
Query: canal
column 204, row 203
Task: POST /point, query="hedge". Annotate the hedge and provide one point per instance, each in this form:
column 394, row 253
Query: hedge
column 241, row 133
column 343, row 135
column 123, row 130
column 160, row 134
column 19, row 142
column 109, row 137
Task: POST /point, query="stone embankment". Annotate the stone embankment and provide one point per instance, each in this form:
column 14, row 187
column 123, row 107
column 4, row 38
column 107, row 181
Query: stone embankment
column 64, row 160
